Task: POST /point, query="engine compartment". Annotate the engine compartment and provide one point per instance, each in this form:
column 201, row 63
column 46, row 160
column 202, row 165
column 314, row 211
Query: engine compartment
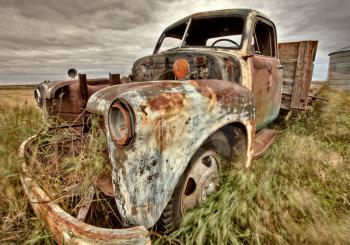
column 203, row 65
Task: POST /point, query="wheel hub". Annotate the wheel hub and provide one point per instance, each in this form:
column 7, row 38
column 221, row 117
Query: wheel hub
column 202, row 181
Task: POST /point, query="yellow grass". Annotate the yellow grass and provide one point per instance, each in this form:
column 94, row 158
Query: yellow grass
column 17, row 97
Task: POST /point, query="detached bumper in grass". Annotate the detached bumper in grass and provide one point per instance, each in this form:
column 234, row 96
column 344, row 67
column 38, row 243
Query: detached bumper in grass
column 67, row 229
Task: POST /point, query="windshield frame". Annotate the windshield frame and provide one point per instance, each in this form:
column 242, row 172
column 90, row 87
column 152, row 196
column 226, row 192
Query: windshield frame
column 185, row 34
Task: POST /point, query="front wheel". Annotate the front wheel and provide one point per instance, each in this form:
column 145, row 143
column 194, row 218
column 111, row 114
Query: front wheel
column 200, row 180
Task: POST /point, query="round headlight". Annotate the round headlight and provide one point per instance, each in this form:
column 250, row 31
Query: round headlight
column 120, row 123
column 38, row 97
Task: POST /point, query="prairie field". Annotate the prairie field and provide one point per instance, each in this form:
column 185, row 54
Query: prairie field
column 17, row 97
column 297, row 193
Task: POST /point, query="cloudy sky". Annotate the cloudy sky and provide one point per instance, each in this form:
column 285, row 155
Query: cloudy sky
column 41, row 39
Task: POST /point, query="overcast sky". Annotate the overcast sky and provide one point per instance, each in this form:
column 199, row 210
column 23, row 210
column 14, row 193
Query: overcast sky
column 41, row 39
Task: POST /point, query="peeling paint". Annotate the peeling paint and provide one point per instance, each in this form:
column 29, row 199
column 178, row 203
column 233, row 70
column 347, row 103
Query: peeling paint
column 176, row 127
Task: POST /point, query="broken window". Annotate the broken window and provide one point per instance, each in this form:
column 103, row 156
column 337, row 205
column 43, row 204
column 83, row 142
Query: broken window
column 203, row 32
column 169, row 43
column 226, row 40
column 223, row 32
column 263, row 42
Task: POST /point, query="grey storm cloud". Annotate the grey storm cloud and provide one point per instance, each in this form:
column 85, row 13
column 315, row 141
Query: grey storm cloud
column 41, row 39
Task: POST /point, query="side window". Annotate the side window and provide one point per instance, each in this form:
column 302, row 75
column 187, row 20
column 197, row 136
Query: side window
column 263, row 42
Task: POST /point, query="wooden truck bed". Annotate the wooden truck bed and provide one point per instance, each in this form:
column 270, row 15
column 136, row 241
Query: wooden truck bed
column 298, row 61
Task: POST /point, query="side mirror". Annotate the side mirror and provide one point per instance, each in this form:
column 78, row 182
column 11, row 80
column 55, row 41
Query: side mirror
column 72, row 73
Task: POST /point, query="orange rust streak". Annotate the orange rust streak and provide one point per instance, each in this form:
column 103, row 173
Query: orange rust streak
column 250, row 126
column 167, row 101
column 214, row 90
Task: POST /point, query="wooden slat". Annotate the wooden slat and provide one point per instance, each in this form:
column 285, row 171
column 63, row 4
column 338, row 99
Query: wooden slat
column 297, row 58
column 288, row 48
column 303, row 74
column 288, row 82
column 289, row 66
column 340, row 65
column 289, row 55
column 339, row 60
column 338, row 76
column 288, row 60
column 343, row 70
column 288, row 75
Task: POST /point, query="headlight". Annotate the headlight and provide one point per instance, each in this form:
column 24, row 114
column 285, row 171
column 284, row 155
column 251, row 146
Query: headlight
column 120, row 122
column 38, row 97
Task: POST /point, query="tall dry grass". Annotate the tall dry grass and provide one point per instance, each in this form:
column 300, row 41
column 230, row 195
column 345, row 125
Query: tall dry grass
column 18, row 224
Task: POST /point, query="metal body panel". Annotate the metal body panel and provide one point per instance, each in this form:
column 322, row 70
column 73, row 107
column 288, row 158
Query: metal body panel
column 172, row 120
column 62, row 101
column 267, row 89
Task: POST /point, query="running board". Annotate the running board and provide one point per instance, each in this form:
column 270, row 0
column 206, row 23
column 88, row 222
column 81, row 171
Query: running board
column 263, row 141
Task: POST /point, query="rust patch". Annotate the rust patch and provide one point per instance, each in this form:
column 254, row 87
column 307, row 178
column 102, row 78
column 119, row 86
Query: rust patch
column 215, row 90
column 250, row 127
column 143, row 109
column 133, row 210
column 167, row 101
column 104, row 183
column 228, row 67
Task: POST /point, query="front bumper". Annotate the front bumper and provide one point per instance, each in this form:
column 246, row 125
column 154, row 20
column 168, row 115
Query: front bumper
column 65, row 228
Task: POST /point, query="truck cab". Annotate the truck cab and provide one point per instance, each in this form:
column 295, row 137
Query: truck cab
column 239, row 46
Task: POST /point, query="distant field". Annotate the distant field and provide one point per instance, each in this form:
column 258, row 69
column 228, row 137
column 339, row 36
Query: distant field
column 17, row 97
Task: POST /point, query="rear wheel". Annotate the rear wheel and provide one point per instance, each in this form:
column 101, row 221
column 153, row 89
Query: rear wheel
column 200, row 180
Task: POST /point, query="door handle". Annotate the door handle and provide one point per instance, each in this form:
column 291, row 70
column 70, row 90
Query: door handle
column 280, row 66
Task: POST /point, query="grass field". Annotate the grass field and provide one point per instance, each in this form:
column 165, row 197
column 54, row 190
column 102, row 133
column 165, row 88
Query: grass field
column 17, row 97
column 297, row 193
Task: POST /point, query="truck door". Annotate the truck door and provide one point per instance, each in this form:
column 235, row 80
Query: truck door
column 266, row 73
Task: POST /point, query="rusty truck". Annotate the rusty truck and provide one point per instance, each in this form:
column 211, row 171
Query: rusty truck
column 199, row 104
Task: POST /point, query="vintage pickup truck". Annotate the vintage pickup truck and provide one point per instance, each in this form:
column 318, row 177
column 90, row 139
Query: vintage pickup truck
column 197, row 106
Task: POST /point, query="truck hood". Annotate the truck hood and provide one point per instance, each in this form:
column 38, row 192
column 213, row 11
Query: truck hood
column 223, row 92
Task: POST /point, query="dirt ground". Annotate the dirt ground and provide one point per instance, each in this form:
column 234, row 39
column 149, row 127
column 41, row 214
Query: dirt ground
column 17, row 97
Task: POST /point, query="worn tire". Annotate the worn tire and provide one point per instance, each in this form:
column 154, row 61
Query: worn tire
column 219, row 143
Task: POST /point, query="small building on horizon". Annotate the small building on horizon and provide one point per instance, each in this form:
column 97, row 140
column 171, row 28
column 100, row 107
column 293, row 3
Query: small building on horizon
column 339, row 69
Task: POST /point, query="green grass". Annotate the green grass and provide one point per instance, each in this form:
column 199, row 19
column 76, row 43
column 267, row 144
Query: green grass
column 297, row 193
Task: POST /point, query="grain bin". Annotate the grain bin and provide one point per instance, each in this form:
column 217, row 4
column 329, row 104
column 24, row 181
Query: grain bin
column 339, row 69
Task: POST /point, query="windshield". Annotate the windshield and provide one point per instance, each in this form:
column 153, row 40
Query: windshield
column 223, row 32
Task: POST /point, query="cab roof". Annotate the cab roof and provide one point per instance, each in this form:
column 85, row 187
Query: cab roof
column 243, row 13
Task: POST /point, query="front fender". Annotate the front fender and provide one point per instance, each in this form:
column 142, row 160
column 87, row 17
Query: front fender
column 172, row 120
